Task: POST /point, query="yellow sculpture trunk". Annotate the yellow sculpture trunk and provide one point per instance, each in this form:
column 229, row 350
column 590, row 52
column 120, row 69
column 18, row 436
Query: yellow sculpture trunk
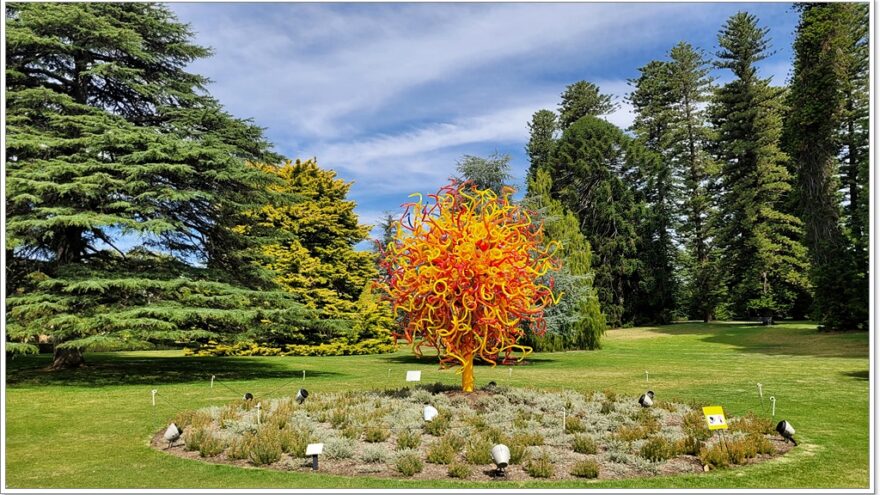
column 467, row 374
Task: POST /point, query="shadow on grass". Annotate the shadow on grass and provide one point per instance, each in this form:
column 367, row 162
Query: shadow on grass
column 859, row 375
column 428, row 359
column 789, row 338
column 108, row 369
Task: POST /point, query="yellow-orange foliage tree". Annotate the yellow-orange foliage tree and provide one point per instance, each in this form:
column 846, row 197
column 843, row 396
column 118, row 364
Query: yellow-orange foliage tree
column 464, row 272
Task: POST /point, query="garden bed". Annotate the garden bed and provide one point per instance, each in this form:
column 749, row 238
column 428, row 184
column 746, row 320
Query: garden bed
column 384, row 434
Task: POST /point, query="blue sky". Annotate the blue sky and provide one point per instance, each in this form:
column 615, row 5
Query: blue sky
column 392, row 95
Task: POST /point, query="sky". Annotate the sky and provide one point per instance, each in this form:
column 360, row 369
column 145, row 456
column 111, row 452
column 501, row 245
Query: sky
column 391, row 96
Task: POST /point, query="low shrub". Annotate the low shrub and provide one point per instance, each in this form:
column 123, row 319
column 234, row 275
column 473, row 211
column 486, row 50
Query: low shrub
column 631, row 433
column 531, row 439
column 607, row 407
column 714, row 456
column 752, row 423
column 376, row 434
column 239, row 447
column 763, row 445
column 459, row 470
column 194, row 437
column 339, row 448
column 265, row 448
column 479, row 451
column 518, row 452
column 408, row 464
column 540, row 466
column 374, row 454
column 689, row 445
column 211, row 446
column 441, row 452
column 573, row 424
column 408, row 439
column 583, row 444
column 351, row 431
column 438, row 426
column 694, row 424
column 338, row 348
column 657, row 449
column 292, row 442
column 585, row 469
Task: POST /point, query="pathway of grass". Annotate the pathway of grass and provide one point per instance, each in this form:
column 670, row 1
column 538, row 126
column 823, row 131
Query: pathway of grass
column 89, row 428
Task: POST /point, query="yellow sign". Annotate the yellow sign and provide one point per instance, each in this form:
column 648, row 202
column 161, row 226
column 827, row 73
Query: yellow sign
column 715, row 418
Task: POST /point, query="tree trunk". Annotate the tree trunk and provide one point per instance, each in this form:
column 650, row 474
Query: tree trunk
column 467, row 374
column 66, row 358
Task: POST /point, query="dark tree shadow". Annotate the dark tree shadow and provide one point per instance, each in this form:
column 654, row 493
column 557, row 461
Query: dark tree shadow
column 859, row 375
column 429, row 359
column 801, row 340
column 109, row 369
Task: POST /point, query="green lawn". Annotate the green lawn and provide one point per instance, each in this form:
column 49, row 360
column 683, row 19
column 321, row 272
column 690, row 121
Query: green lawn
column 89, row 428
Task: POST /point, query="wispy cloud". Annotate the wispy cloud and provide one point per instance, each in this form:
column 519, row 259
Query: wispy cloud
column 391, row 95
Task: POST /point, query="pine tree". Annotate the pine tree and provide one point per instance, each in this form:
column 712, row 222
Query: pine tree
column 764, row 260
column 651, row 100
column 492, row 172
column 689, row 140
column 817, row 102
column 581, row 99
column 589, row 179
column 542, row 142
column 109, row 142
column 576, row 322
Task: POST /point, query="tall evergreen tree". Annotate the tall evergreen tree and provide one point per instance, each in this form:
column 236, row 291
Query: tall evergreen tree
column 588, row 175
column 542, row 142
column 690, row 88
column 581, row 99
column 765, row 262
column 651, row 100
column 817, row 102
column 109, row 142
column 492, row 172
column 577, row 321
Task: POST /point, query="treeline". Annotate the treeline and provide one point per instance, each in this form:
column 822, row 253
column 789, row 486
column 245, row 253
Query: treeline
column 139, row 212
column 739, row 200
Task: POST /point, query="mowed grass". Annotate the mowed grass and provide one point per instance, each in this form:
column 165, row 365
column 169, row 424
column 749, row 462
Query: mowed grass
column 90, row 428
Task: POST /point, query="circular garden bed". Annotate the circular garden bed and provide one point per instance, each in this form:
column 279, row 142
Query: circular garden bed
column 384, row 434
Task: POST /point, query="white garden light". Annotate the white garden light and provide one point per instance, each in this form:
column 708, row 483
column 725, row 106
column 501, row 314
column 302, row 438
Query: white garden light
column 647, row 399
column 172, row 433
column 430, row 413
column 301, row 395
column 501, row 457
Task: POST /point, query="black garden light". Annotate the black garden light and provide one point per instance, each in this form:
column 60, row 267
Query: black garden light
column 785, row 429
column 248, row 396
column 301, row 395
column 647, row 399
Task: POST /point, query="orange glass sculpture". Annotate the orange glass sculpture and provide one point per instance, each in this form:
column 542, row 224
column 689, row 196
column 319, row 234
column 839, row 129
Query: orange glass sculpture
column 465, row 270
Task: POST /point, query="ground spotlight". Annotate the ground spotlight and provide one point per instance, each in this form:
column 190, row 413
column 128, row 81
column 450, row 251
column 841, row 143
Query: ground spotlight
column 787, row 431
column 501, row 457
column 430, row 413
column 248, row 396
column 301, row 395
column 172, row 434
column 647, row 399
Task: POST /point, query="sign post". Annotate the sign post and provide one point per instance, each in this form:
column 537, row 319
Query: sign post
column 715, row 420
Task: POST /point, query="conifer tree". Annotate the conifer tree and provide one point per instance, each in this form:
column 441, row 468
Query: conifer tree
column 817, row 102
column 765, row 262
column 110, row 142
column 589, row 173
column 581, row 99
column 492, row 172
column 690, row 138
column 651, row 100
column 542, row 142
column 576, row 321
